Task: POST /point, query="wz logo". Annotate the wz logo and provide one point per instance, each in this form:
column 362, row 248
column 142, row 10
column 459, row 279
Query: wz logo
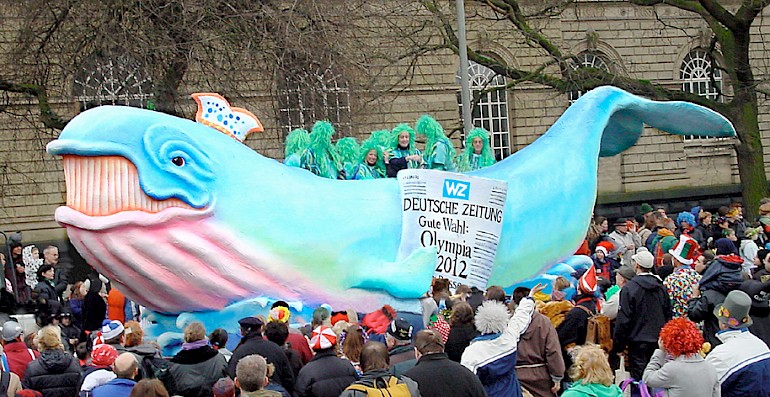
column 457, row 189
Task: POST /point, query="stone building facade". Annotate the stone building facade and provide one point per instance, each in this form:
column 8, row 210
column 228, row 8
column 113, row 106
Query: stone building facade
column 660, row 44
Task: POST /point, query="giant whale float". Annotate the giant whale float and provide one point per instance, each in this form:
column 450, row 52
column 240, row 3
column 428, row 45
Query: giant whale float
column 185, row 219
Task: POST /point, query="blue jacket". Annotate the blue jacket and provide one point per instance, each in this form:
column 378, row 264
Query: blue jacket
column 742, row 363
column 117, row 387
column 493, row 357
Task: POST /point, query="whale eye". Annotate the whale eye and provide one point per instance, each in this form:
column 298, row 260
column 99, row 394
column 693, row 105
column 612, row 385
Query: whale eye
column 178, row 161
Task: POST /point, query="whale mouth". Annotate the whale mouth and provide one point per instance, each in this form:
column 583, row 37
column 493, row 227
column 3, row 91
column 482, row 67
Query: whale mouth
column 107, row 185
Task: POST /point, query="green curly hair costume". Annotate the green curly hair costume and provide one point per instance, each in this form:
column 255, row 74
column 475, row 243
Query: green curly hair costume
column 321, row 157
column 434, row 132
column 297, row 141
column 465, row 161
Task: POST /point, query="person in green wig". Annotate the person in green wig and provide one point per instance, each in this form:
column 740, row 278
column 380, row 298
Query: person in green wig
column 371, row 165
column 296, row 142
column 439, row 152
column 402, row 153
column 477, row 153
column 321, row 157
column 348, row 150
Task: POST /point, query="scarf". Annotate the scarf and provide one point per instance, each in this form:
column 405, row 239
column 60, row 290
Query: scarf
column 195, row 345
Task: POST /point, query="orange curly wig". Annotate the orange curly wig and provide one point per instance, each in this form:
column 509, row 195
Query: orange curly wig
column 680, row 337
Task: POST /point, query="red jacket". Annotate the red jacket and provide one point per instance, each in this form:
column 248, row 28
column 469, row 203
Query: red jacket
column 19, row 356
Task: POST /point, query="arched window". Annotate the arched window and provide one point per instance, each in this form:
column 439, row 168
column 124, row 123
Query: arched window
column 313, row 93
column 112, row 79
column 491, row 111
column 700, row 76
column 588, row 59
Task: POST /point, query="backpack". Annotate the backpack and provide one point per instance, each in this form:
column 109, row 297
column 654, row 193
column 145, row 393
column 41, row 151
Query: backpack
column 5, row 383
column 153, row 367
column 392, row 389
column 598, row 330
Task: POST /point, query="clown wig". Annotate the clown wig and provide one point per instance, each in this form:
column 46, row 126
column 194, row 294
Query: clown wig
column 297, row 141
column 680, row 337
column 397, row 131
column 487, row 157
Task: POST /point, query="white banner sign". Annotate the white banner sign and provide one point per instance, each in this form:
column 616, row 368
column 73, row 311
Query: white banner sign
column 461, row 215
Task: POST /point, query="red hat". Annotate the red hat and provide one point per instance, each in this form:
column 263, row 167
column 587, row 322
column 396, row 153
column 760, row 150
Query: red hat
column 587, row 283
column 104, row 355
column 607, row 245
column 323, row 338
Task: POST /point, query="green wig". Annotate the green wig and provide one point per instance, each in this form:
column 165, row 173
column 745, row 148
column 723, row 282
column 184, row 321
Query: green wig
column 487, row 157
column 431, row 128
column 348, row 150
column 397, row 131
column 297, row 141
column 324, row 155
column 381, row 138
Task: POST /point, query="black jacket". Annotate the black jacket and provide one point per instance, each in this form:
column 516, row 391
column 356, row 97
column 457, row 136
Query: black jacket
column 194, row 372
column 253, row 343
column 438, row 376
column 702, row 309
column 572, row 331
column 460, row 336
column 644, row 309
column 56, row 373
column 722, row 276
column 326, row 375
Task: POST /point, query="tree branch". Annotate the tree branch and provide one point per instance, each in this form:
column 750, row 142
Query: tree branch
column 722, row 15
column 48, row 117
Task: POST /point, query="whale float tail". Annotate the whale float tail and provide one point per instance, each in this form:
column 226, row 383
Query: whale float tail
column 553, row 181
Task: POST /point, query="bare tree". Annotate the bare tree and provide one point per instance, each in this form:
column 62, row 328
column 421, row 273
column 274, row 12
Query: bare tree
column 731, row 36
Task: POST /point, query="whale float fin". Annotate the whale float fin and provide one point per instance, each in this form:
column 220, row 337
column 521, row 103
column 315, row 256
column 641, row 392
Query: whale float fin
column 215, row 112
column 626, row 125
column 406, row 279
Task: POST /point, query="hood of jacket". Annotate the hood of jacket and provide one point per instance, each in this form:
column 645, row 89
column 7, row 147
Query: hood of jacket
column 647, row 281
column 55, row 361
column 596, row 390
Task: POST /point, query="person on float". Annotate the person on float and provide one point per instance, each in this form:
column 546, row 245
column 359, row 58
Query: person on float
column 349, row 151
column 477, row 153
column 296, row 142
column 371, row 165
column 402, row 153
column 321, row 157
column 439, row 152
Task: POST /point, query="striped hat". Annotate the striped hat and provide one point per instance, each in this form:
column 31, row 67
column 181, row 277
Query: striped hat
column 685, row 251
column 323, row 338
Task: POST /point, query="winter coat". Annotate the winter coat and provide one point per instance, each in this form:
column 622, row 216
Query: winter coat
column 742, row 363
column 493, row 357
column 460, row 336
column 401, row 359
column 722, row 276
column 760, row 308
column 679, row 286
column 592, row 390
column 19, row 356
column 540, row 360
column 326, row 375
column 438, row 376
column 193, row 372
column 94, row 377
column 253, row 343
column 676, row 376
column 572, row 331
column 644, row 309
column 381, row 377
column 56, row 373
column 117, row 387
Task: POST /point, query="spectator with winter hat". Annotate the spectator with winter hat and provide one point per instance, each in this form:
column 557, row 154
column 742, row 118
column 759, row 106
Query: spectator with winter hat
column 398, row 339
column 100, row 370
column 742, row 363
column 644, row 309
column 680, row 284
column 493, row 355
column 112, row 334
column 572, row 331
column 605, row 266
column 326, row 375
column 17, row 352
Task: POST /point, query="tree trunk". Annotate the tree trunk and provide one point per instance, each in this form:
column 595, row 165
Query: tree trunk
column 751, row 163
